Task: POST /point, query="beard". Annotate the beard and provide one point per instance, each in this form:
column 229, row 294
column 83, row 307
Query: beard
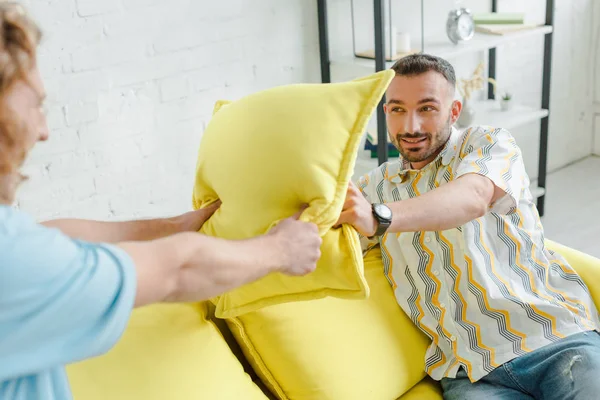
column 422, row 145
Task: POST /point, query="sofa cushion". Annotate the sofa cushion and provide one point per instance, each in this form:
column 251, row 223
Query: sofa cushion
column 168, row 351
column 586, row 266
column 331, row 349
column 427, row 389
column 266, row 155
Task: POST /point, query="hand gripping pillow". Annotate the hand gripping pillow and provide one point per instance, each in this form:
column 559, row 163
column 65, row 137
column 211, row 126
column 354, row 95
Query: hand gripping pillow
column 267, row 154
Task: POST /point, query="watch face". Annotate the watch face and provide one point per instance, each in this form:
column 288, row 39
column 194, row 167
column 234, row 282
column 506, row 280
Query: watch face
column 383, row 211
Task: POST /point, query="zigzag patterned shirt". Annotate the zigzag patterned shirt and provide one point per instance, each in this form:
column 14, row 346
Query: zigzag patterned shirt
column 487, row 291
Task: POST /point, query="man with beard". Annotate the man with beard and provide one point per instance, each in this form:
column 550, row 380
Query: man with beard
column 464, row 251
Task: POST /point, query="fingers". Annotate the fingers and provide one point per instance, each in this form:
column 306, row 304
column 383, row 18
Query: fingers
column 355, row 190
column 349, row 202
column 215, row 205
column 210, row 209
column 296, row 216
column 346, row 217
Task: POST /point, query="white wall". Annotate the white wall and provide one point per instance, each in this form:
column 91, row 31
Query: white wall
column 519, row 65
column 596, row 62
column 131, row 85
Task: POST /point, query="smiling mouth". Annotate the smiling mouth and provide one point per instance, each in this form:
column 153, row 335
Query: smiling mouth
column 414, row 140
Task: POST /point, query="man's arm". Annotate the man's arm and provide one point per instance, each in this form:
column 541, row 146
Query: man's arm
column 114, row 232
column 446, row 207
column 489, row 177
column 194, row 267
column 163, row 265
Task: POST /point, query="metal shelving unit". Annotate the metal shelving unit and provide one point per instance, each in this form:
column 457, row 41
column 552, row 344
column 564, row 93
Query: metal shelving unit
column 487, row 113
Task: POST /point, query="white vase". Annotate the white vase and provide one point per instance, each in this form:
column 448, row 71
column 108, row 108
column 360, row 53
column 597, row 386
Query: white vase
column 467, row 114
column 506, row 105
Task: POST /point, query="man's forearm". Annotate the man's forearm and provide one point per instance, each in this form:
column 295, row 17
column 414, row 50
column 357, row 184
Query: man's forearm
column 449, row 206
column 194, row 267
column 114, row 232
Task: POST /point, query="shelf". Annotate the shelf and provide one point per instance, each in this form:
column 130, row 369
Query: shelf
column 446, row 49
column 488, row 113
column 482, row 41
column 537, row 191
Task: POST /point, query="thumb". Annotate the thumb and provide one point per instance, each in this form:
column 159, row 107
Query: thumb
column 297, row 215
column 210, row 209
column 344, row 219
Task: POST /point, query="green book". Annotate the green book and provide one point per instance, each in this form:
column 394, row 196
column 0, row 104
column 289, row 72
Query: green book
column 503, row 18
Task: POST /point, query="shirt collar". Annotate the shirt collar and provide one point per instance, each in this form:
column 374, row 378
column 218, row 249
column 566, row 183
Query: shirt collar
column 402, row 170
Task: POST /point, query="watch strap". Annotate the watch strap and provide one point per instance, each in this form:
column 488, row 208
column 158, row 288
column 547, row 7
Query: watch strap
column 382, row 223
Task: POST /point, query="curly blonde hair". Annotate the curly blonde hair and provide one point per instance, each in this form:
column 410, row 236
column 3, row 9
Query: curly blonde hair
column 19, row 37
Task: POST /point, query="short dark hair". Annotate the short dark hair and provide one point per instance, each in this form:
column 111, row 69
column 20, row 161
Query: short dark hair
column 417, row 64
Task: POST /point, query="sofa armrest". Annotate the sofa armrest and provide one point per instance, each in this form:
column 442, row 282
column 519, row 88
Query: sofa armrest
column 587, row 266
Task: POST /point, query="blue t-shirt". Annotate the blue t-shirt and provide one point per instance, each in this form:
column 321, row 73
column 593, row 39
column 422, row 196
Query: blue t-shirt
column 61, row 300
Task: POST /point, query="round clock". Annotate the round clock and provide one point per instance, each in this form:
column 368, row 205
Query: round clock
column 460, row 25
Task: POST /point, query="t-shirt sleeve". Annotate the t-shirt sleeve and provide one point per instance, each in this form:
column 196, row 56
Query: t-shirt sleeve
column 61, row 300
column 494, row 154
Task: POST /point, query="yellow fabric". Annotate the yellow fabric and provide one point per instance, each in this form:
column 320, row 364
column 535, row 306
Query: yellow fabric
column 168, row 351
column 332, row 349
column 267, row 154
column 586, row 266
column 427, row 389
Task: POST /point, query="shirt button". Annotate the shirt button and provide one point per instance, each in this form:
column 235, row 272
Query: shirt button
column 443, row 305
column 427, row 239
column 453, row 338
column 436, row 273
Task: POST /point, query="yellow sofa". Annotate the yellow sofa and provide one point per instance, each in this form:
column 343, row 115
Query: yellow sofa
column 369, row 351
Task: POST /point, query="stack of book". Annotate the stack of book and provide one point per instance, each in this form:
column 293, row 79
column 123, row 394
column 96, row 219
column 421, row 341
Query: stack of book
column 496, row 23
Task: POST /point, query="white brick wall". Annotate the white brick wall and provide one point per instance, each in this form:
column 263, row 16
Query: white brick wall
column 131, row 85
column 596, row 76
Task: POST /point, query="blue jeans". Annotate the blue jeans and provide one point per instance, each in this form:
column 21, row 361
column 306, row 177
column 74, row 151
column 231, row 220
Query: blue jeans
column 567, row 369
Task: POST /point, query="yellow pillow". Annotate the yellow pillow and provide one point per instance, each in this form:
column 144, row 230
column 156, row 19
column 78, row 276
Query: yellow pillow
column 332, row 349
column 267, row 154
column 168, row 351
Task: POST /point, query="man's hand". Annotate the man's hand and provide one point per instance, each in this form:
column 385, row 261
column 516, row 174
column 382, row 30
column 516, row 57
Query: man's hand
column 123, row 231
column 189, row 266
column 297, row 244
column 192, row 221
column 357, row 212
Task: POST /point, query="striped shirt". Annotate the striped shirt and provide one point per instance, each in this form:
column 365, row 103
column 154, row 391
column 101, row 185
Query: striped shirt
column 487, row 291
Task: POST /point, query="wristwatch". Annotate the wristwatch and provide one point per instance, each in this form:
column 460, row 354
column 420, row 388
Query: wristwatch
column 383, row 216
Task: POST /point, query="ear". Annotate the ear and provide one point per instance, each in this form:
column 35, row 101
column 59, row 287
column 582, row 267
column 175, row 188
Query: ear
column 385, row 108
column 455, row 110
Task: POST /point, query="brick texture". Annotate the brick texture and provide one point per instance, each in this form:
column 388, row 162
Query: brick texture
column 131, row 85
